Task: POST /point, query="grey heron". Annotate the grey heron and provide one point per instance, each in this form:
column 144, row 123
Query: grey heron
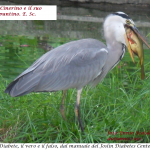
column 77, row 63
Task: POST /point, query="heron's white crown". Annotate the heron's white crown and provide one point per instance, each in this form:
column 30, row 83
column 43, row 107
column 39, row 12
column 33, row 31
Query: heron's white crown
column 114, row 30
column 123, row 15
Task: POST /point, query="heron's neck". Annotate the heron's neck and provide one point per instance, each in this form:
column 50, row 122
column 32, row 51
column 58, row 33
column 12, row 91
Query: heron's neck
column 116, row 52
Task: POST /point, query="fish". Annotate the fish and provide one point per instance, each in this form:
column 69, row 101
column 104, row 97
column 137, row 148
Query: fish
column 136, row 45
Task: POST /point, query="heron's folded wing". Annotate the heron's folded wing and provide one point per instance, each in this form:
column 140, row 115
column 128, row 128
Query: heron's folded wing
column 79, row 70
column 71, row 65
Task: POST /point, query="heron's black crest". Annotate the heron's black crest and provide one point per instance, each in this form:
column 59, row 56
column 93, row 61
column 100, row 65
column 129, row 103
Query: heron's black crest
column 123, row 15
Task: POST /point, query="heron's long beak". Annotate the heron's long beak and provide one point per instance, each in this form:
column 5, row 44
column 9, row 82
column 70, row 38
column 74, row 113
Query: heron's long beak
column 134, row 28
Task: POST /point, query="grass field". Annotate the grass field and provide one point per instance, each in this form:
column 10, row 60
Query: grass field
column 116, row 110
column 120, row 104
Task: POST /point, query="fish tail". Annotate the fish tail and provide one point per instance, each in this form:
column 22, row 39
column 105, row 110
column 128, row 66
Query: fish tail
column 142, row 72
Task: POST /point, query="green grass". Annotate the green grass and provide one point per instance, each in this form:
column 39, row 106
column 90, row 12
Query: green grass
column 119, row 103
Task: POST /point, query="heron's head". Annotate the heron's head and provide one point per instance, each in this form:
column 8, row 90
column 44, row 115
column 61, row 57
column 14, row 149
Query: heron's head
column 114, row 30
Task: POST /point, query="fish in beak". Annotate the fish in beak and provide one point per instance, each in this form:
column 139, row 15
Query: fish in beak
column 134, row 42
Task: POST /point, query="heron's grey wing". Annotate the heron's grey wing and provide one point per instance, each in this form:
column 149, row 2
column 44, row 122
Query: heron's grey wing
column 78, row 71
column 71, row 65
column 28, row 78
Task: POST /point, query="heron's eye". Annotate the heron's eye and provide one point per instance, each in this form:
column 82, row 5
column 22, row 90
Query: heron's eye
column 128, row 21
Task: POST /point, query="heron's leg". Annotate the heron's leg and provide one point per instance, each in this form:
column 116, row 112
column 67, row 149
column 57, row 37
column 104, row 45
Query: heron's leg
column 62, row 106
column 77, row 109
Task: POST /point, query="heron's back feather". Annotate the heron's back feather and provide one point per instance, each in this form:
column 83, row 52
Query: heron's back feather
column 72, row 65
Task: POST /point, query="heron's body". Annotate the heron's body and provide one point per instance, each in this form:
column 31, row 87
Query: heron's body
column 74, row 64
